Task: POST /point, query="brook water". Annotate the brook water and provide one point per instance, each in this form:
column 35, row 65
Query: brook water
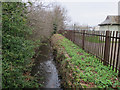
column 45, row 67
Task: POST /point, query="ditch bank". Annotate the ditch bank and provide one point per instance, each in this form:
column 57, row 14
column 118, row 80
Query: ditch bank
column 79, row 69
column 62, row 60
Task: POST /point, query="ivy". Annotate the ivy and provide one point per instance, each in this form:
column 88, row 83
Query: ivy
column 17, row 49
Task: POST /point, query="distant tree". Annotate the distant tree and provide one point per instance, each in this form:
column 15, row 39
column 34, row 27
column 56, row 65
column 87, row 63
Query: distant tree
column 40, row 20
column 59, row 17
column 46, row 19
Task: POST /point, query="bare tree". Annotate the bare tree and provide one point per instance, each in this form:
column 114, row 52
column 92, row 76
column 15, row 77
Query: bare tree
column 59, row 17
column 46, row 19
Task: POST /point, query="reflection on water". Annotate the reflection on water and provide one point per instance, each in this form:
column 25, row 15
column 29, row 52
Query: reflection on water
column 45, row 68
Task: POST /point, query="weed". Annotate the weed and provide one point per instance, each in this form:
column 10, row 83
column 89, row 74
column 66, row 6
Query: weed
column 92, row 69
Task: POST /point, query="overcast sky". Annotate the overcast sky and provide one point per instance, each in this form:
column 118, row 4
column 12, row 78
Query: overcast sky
column 91, row 12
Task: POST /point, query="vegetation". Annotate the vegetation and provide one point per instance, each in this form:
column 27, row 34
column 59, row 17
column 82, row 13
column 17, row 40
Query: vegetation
column 86, row 68
column 23, row 26
column 94, row 39
column 20, row 43
column 17, row 49
column 46, row 19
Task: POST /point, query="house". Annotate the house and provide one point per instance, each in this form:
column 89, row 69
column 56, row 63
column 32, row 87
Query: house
column 96, row 28
column 111, row 23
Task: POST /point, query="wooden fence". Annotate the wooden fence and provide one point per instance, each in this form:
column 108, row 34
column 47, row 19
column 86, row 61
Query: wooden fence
column 104, row 44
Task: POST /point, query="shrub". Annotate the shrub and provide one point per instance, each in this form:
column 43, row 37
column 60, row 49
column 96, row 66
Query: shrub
column 17, row 48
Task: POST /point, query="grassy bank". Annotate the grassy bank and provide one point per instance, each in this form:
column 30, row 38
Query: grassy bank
column 83, row 68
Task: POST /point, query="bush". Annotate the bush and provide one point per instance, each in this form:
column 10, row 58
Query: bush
column 17, row 48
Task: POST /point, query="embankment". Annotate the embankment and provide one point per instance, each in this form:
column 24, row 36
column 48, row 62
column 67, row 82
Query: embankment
column 79, row 69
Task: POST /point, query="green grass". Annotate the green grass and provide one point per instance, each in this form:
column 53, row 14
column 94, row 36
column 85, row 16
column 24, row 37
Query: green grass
column 93, row 39
column 96, row 39
column 90, row 68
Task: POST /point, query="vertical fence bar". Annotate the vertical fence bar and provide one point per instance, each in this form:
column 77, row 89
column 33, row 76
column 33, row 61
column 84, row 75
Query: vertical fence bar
column 87, row 43
column 118, row 53
column 107, row 48
column 74, row 36
column 65, row 32
column 112, row 49
column 94, row 44
column 115, row 50
column 68, row 35
column 83, row 39
column 97, row 43
column 101, row 44
column 71, row 35
column 118, row 56
column 80, row 39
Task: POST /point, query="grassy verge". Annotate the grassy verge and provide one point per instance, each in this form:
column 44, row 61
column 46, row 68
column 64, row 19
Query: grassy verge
column 93, row 39
column 87, row 68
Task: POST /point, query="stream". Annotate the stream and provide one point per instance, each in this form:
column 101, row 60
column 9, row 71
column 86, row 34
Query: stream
column 45, row 67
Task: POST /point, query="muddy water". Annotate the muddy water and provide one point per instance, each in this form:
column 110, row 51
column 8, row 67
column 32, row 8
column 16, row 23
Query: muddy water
column 45, row 67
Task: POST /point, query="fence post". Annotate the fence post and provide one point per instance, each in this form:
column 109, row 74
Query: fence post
column 74, row 35
column 83, row 39
column 107, row 47
column 118, row 56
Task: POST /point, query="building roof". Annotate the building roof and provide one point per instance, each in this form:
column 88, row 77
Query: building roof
column 111, row 20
